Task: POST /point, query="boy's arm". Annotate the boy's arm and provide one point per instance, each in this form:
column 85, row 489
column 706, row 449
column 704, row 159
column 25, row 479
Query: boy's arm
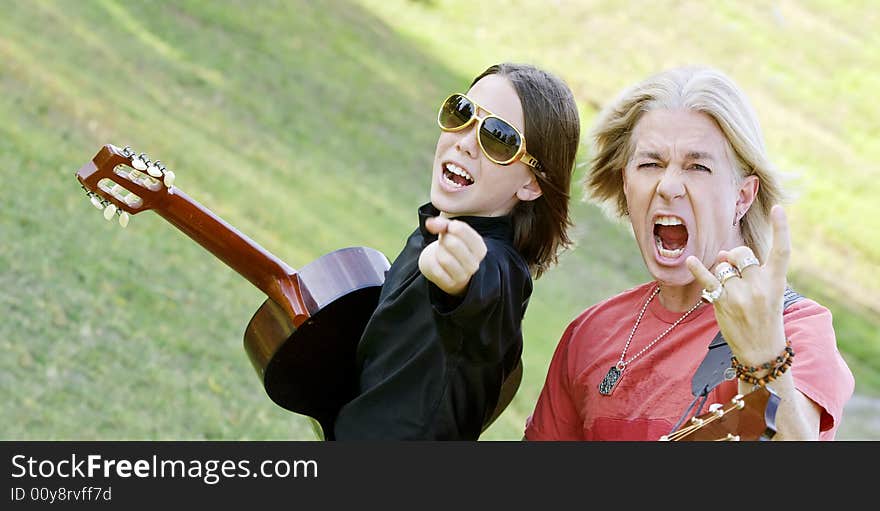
column 452, row 260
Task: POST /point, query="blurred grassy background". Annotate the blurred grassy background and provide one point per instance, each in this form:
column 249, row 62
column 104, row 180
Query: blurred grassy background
column 310, row 127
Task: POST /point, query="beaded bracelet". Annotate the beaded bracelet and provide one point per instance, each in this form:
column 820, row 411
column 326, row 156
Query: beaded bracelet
column 776, row 367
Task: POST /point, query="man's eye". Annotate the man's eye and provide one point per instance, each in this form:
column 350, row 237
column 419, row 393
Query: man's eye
column 650, row 164
column 703, row 168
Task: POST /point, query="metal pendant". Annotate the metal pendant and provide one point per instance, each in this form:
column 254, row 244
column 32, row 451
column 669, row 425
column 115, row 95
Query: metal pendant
column 606, row 386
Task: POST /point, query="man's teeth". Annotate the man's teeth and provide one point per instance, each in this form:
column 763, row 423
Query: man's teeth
column 455, row 169
column 665, row 252
column 668, row 220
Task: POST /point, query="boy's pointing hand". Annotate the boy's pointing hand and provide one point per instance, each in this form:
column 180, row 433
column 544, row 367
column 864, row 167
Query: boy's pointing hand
column 452, row 260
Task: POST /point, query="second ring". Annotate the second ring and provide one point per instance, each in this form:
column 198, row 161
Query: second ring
column 726, row 273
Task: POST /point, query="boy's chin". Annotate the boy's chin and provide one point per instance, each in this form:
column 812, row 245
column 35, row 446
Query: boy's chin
column 444, row 204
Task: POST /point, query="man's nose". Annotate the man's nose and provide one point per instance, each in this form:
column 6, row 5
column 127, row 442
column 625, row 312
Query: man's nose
column 671, row 184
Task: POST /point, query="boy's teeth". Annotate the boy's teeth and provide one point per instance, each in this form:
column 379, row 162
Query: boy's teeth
column 455, row 169
column 452, row 183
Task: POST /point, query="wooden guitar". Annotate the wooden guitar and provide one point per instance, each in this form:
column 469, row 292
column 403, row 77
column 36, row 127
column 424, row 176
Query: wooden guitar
column 745, row 417
column 302, row 340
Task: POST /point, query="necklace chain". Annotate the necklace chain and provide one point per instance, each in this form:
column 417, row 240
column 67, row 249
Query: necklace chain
column 620, row 363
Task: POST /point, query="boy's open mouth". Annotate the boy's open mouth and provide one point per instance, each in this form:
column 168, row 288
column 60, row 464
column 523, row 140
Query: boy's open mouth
column 456, row 176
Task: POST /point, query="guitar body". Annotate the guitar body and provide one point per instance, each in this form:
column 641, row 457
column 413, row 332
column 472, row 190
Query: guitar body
column 310, row 370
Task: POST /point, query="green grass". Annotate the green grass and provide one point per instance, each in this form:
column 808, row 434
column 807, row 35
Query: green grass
column 310, row 127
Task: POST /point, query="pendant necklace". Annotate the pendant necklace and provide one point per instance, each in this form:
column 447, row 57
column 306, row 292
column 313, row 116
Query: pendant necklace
column 606, row 386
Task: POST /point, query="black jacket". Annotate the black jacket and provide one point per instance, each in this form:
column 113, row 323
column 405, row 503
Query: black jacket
column 431, row 365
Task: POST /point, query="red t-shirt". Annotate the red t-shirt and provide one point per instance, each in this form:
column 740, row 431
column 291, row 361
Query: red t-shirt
column 655, row 389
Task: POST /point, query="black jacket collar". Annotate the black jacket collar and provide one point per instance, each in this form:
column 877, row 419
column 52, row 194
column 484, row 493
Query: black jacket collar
column 499, row 227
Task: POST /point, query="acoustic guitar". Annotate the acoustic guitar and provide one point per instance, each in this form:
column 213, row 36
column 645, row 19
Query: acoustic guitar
column 302, row 340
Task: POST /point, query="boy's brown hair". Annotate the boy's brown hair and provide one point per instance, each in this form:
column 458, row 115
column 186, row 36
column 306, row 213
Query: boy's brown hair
column 552, row 133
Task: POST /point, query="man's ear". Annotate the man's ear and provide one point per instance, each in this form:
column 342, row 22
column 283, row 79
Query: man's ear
column 529, row 191
column 748, row 192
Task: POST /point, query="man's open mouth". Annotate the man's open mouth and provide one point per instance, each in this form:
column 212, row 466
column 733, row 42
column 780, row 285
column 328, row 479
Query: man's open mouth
column 670, row 235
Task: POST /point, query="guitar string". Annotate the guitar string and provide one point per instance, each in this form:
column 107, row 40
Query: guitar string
column 690, row 428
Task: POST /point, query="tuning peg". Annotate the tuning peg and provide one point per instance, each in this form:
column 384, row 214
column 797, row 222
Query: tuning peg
column 109, row 211
column 154, row 169
column 127, row 152
column 96, row 201
column 138, row 163
column 123, row 219
column 169, row 178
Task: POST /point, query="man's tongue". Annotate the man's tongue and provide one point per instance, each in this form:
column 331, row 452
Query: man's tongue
column 672, row 237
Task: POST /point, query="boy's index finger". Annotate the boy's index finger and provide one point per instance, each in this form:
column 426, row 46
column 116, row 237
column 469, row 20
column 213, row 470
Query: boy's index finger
column 468, row 235
column 437, row 224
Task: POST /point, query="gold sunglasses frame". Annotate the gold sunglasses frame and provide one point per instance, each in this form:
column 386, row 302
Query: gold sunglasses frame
column 521, row 153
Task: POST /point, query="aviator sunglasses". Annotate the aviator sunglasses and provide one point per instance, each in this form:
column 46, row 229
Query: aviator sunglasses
column 499, row 140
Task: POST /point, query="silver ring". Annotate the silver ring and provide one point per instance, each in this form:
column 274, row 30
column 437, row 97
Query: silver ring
column 726, row 273
column 748, row 261
column 711, row 296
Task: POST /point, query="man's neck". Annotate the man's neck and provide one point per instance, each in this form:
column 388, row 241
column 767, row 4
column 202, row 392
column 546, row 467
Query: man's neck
column 679, row 298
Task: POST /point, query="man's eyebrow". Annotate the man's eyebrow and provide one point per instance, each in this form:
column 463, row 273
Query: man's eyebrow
column 699, row 155
column 654, row 155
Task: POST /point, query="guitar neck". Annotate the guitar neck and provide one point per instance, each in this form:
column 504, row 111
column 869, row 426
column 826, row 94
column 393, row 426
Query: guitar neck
column 271, row 275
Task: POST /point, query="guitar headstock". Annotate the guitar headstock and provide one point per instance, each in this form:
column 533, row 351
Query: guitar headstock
column 121, row 182
column 743, row 418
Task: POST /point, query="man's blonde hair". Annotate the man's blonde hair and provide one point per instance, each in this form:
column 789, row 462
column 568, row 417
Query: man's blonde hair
column 699, row 89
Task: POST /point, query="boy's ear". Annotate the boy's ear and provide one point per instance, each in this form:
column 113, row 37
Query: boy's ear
column 529, row 191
